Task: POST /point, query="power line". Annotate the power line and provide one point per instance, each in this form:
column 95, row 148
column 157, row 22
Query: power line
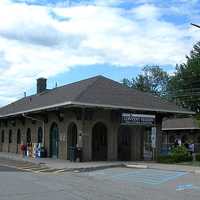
column 195, row 25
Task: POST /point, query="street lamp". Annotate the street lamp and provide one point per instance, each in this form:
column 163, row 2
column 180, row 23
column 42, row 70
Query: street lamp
column 198, row 26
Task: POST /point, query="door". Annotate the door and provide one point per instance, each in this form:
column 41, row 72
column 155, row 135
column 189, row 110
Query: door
column 99, row 142
column 54, row 141
column 71, row 138
column 124, row 144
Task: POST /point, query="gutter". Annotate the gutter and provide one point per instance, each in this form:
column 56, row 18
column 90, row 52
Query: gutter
column 108, row 106
column 187, row 128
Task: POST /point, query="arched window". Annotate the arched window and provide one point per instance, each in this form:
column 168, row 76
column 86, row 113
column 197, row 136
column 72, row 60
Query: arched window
column 2, row 136
column 40, row 135
column 18, row 136
column 10, row 136
column 28, row 136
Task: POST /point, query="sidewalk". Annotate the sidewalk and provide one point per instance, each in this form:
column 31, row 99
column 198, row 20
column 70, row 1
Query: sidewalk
column 65, row 164
column 170, row 167
column 61, row 164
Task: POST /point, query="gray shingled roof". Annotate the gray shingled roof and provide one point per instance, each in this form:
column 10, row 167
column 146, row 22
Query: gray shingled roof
column 180, row 124
column 96, row 91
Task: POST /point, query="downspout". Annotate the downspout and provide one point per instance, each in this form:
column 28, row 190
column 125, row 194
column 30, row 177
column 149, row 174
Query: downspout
column 43, row 126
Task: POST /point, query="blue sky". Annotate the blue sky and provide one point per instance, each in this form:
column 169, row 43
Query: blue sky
column 69, row 40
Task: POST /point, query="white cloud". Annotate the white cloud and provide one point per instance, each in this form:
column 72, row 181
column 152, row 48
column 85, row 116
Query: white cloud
column 35, row 43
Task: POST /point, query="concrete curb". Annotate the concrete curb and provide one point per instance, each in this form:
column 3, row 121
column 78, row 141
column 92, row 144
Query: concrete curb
column 183, row 168
column 137, row 166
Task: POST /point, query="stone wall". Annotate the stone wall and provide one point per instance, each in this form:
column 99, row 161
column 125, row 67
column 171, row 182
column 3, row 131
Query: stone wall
column 84, row 128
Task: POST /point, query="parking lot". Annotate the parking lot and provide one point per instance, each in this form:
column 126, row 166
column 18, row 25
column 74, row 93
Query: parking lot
column 133, row 176
column 109, row 184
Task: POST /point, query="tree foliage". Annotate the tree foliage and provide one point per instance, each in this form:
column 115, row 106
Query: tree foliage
column 152, row 79
column 184, row 86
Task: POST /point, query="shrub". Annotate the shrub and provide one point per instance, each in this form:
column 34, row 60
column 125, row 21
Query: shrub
column 180, row 154
column 165, row 159
column 179, row 150
column 177, row 155
column 198, row 157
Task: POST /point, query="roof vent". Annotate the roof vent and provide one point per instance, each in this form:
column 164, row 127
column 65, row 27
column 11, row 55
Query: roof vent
column 41, row 85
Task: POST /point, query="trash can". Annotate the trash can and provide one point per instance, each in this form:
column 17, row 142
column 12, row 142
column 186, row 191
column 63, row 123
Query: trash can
column 79, row 154
column 43, row 152
column 72, row 153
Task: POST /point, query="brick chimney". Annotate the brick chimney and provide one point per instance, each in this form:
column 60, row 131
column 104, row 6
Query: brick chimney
column 41, row 85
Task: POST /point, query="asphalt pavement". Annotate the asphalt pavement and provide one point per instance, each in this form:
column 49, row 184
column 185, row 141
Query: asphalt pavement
column 8, row 169
column 108, row 184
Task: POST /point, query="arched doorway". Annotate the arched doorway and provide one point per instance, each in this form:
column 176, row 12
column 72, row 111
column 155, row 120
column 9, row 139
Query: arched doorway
column 54, row 141
column 18, row 139
column 71, row 138
column 124, row 143
column 99, row 142
column 39, row 135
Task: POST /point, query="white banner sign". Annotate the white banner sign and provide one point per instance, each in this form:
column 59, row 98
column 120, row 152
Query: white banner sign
column 137, row 119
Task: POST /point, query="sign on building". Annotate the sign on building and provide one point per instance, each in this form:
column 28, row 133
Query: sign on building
column 137, row 119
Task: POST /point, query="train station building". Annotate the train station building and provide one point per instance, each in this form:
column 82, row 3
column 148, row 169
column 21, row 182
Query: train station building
column 103, row 118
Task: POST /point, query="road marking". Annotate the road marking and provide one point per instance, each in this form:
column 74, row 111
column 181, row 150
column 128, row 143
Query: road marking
column 147, row 176
column 186, row 187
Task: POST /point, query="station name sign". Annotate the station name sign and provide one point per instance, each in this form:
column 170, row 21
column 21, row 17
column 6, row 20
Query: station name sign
column 137, row 119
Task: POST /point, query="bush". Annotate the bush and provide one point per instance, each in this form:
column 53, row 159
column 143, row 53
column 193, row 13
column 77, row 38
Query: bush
column 198, row 157
column 165, row 159
column 180, row 154
column 177, row 155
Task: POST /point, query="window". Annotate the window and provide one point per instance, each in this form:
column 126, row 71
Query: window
column 40, row 134
column 10, row 136
column 171, row 139
column 28, row 136
column 2, row 136
column 198, row 139
column 184, row 139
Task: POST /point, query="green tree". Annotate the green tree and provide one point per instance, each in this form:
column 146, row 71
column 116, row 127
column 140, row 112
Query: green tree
column 152, row 79
column 184, row 86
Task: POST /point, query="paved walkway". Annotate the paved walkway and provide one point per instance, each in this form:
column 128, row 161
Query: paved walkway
column 170, row 167
column 65, row 164
column 60, row 164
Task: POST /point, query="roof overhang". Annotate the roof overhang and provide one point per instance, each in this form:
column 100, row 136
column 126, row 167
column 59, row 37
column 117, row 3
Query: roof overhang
column 82, row 104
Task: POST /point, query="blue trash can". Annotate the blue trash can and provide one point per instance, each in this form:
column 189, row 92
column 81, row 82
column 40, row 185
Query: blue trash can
column 72, row 154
